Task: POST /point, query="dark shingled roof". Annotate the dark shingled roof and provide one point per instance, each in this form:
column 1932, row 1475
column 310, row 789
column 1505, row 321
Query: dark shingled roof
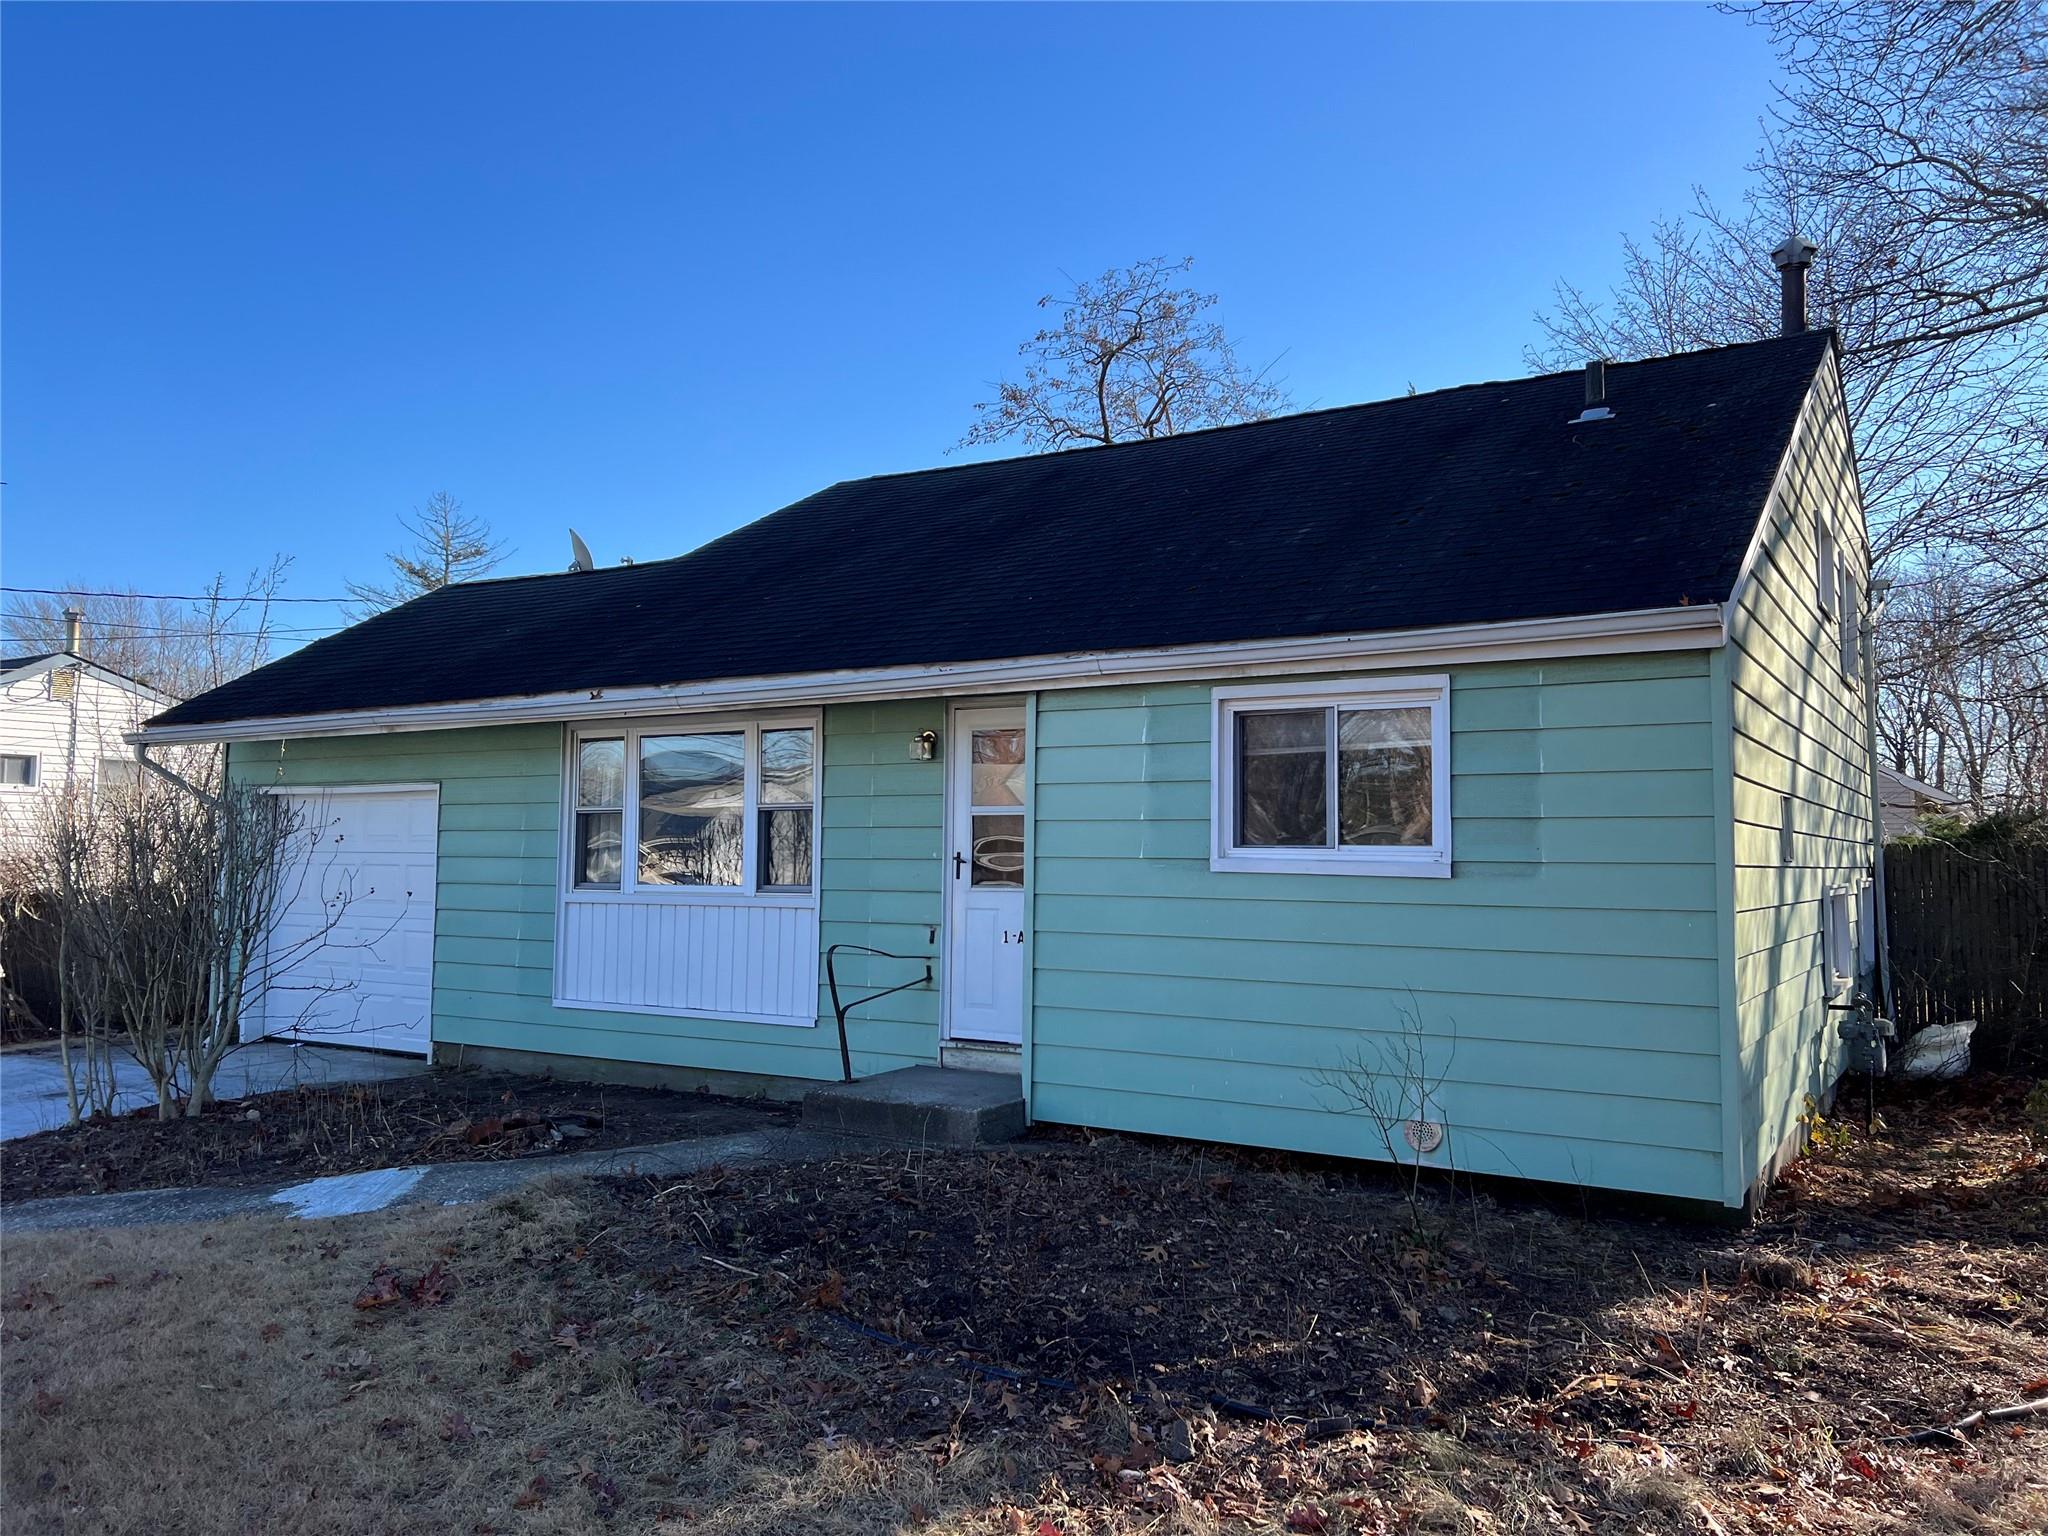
column 1462, row 506
column 14, row 663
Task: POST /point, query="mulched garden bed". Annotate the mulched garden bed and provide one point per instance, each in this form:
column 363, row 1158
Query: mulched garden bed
column 444, row 1116
column 1267, row 1339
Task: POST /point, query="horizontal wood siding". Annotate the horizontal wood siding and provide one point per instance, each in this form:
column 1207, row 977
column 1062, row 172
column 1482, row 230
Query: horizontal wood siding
column 1799, row 732
column 69, row 734
column 499, row 848
column 1565, row 975
column 882, row 856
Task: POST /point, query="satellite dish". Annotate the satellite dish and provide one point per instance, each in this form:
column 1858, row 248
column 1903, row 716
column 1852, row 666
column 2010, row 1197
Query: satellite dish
column 580, row 554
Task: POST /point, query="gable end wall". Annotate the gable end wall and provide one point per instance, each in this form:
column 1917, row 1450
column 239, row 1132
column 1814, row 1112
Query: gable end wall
column 1799, row 731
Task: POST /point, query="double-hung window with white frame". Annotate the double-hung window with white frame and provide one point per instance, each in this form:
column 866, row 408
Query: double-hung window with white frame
column 1348, row 778
column 681, row 810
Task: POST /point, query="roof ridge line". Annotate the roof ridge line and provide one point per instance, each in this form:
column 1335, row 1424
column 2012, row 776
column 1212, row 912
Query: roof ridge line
column 1324, row 410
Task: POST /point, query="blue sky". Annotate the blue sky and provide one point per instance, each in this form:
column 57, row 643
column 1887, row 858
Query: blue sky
column 274, row 274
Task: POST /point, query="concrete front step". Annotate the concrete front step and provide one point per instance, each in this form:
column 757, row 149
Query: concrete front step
column 933, row 1106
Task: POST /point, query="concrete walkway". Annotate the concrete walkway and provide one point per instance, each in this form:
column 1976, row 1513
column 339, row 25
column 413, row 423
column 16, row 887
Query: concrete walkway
column 32, row 1078
column 349, row 1194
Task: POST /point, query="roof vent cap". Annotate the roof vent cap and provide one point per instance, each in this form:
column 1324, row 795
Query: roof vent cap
column 1793, row 255
column 1596, row 394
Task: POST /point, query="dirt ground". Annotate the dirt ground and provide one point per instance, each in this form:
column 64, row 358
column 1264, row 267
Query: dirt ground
column 444, row 1116
column 702, row 1355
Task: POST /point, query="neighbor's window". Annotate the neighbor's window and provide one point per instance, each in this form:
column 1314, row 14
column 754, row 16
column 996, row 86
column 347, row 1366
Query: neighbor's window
column 18, row 770
column 1828, row 574
column 1346, row 779
column 119, row 775
column 725, row 808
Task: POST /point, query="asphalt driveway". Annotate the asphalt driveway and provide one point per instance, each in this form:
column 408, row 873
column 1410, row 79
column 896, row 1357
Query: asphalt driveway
column 32, row 1078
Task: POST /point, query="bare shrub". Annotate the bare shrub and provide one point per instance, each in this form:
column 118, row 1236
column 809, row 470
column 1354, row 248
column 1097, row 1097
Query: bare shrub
column 1394, row 1081
column 161, row 908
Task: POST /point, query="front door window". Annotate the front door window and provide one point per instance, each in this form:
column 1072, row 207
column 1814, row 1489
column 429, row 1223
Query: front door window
column 996, row 786
column 988, row 786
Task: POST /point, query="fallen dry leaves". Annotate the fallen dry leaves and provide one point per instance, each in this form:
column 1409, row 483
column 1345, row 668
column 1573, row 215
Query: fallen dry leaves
column 1253, row 1343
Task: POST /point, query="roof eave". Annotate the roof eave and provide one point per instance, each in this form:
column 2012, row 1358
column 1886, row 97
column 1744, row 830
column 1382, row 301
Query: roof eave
column 1696, row 626
column 61, row 660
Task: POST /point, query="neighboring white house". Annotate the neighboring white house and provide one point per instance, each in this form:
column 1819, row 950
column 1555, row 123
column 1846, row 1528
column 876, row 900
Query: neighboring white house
column 62, row 723
column 1905, row 799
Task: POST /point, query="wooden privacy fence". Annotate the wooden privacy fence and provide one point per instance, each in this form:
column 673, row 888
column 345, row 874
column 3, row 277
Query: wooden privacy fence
column 28, row 977
column 1969, row 940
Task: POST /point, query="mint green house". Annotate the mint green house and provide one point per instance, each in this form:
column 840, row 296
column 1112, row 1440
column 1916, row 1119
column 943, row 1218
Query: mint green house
column 1506, row 748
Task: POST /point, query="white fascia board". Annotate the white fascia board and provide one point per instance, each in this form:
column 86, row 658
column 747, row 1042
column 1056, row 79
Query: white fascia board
column 1802, row 428
column 1699, row 626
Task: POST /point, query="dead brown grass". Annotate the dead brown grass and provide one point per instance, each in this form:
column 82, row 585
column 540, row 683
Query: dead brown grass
column 663, row 1359
column 220, row 1378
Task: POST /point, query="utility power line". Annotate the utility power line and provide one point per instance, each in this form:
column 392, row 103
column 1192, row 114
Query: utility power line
column 174, row 597
column 116, row 630
column 44, row 616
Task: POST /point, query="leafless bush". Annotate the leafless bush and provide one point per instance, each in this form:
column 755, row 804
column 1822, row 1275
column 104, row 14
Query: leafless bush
column 162, row 909
column 49, row 864
column 1394, row 1081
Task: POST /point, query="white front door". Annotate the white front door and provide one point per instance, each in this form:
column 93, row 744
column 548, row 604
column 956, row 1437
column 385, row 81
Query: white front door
column 350, row 956
column 985, row 780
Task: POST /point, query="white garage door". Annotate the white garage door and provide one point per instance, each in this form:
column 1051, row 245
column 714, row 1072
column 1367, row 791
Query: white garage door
column 351, row 954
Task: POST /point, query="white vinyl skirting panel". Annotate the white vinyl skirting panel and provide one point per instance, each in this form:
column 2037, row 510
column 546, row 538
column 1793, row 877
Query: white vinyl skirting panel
column 738, row 960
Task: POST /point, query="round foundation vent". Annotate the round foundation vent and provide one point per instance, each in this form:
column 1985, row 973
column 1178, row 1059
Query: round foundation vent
column 1423, row 1135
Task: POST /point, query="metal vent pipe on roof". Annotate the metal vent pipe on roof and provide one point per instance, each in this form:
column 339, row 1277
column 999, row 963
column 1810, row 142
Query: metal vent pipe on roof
column 74, row 630
column 1793, row 256
column 1596, row 393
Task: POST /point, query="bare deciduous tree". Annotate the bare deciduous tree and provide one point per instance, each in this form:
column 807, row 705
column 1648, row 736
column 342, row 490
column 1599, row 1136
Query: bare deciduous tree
column 448, row 545
column 1963, row 702
column 1910, row 141
column 181, row 647
column 1131, row 356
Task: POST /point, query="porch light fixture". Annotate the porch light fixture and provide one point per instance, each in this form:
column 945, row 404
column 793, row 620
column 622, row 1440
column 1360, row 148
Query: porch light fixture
column 924, row 746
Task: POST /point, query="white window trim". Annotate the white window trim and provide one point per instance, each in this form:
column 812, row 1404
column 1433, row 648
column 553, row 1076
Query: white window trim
column 630, row 890
column 35, row 773
column 1827, row 572
column 1432, row 691
column 1866, row 924
column 1847, row 641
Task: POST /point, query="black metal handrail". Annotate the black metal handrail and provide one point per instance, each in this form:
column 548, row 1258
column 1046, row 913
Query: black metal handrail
column 840, row 1010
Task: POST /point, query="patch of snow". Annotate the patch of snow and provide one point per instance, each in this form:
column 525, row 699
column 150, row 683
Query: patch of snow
column 349, row 1194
